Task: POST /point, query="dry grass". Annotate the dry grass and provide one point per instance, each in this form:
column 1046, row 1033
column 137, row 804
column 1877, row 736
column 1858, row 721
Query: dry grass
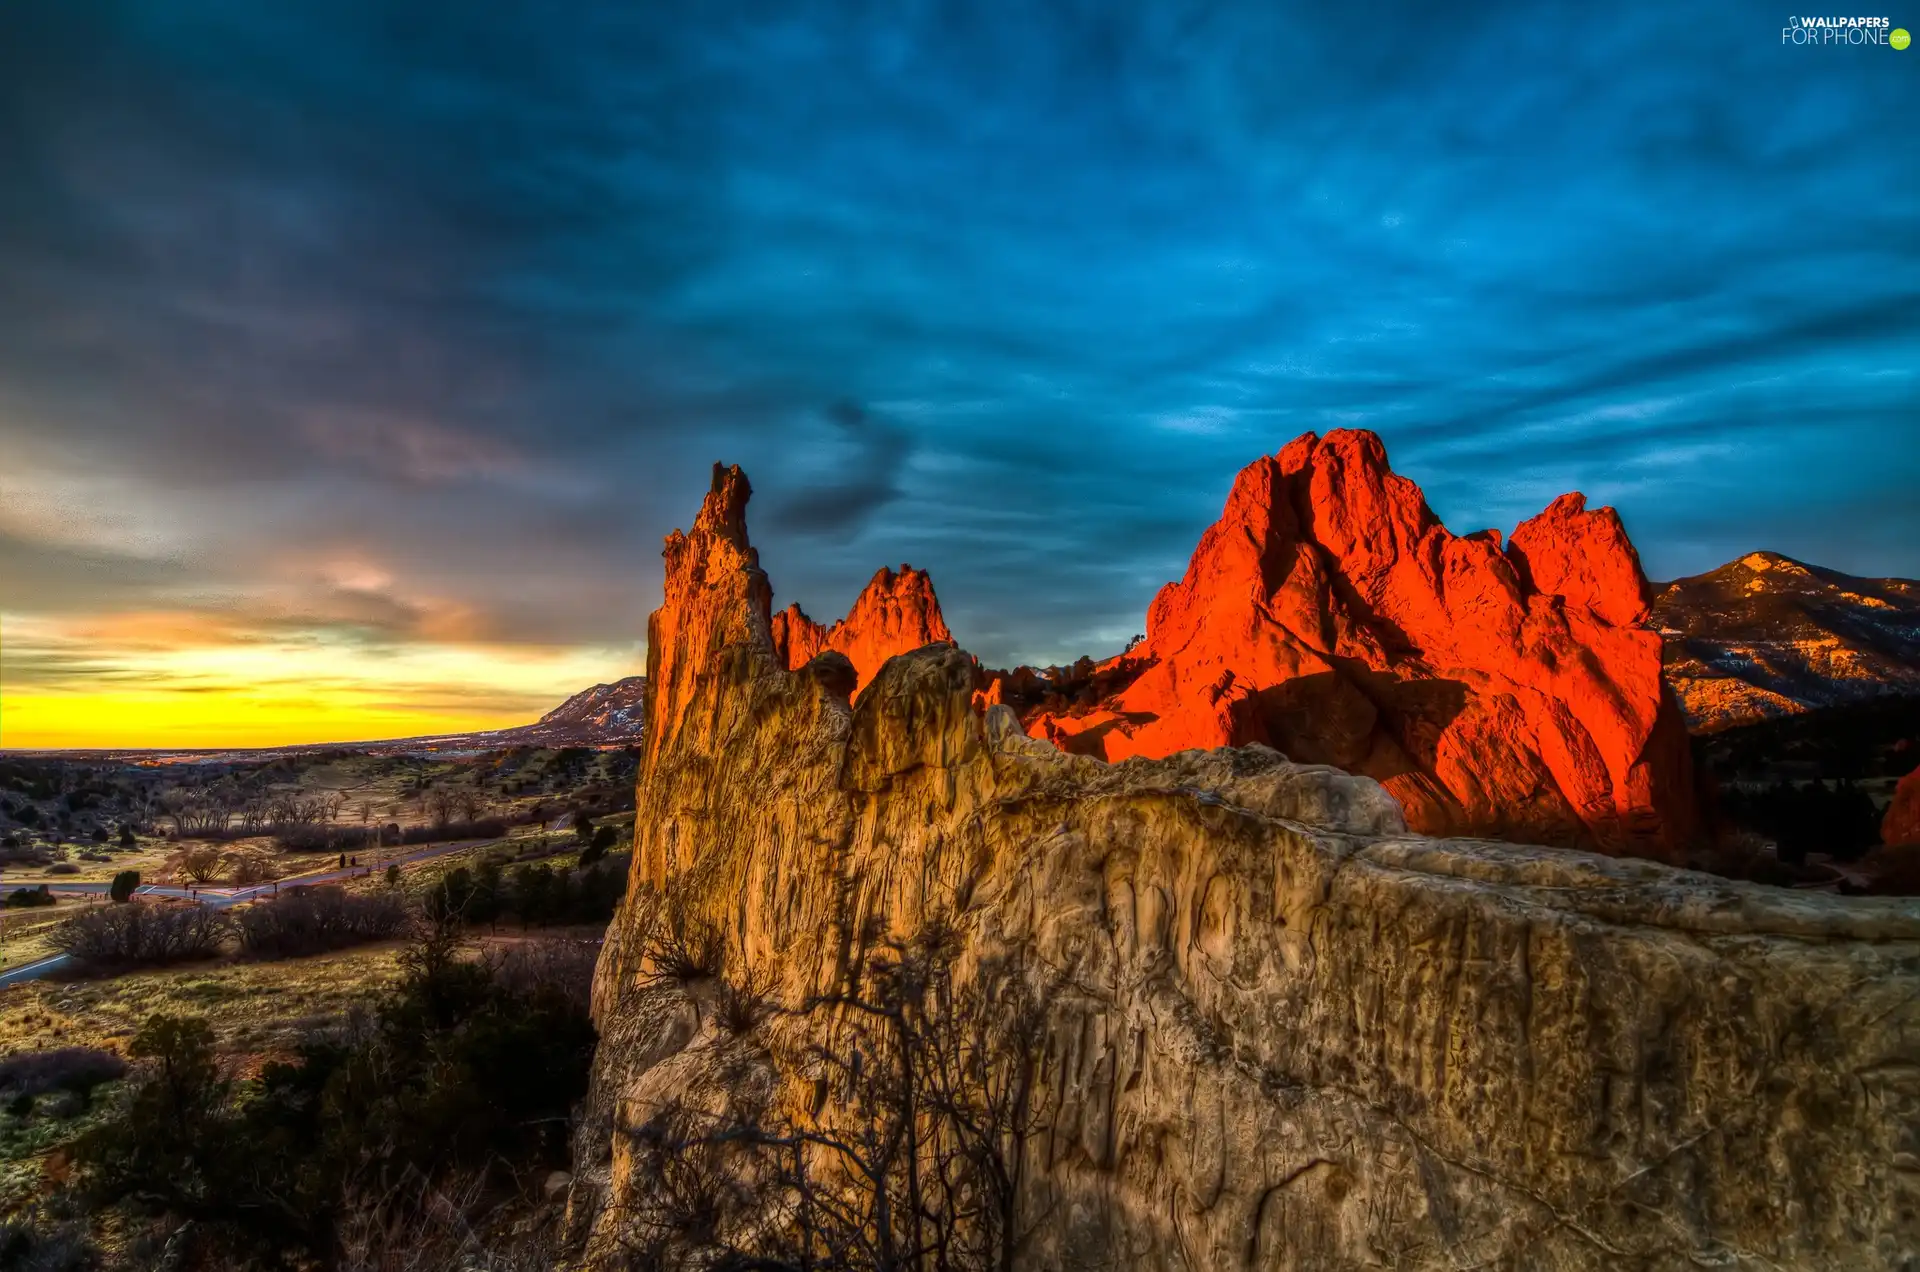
column 258, row 1012
column 151, row 858
column 256, row 1009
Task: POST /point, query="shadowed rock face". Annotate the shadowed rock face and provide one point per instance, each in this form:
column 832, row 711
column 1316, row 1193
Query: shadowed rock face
column 1511, row 691
column 1282, row 1032
column 1901, row 825
column 893, row 614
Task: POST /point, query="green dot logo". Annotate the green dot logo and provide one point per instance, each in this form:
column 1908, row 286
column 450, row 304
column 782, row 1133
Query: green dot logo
column 1900, row 39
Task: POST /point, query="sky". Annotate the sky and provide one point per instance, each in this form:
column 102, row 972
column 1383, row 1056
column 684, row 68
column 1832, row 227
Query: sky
column 355, row 357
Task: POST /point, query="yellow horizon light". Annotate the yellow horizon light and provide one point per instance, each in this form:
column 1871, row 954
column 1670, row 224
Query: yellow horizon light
column 90, row 690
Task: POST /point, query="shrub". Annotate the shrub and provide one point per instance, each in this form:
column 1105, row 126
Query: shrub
column 461, row 1070
column 27, row 898
column 142, row 934
column 393, row 874
column 484, row 828
column 31, row 1245
column 684, row 949
column 249, row 867
column 61, row 1069
column 126, row 838
column 63, row 868
column 560, row 966
column 334, row 839
column 197, row 865
column 314, row 920
column 124, row 885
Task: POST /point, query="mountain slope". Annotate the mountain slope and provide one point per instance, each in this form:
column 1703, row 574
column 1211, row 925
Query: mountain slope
column 603, row 714
column 1768, row 636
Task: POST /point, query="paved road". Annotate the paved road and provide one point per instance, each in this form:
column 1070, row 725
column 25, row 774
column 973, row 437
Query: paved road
column 221, row 898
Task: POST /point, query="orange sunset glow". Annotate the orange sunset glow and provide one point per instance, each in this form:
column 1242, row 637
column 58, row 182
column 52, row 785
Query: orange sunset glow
column 183, row 680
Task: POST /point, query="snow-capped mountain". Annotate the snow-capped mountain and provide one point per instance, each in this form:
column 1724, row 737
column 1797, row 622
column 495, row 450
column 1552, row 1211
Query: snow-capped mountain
column 1769, row 636
column 601, row 716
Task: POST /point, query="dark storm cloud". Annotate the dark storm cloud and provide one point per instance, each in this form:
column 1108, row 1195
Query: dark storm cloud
column 858, row 474
column 468, row 297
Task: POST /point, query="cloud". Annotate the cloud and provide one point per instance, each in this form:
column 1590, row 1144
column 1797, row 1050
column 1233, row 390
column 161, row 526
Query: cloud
column 468, row 300
column 843, row 478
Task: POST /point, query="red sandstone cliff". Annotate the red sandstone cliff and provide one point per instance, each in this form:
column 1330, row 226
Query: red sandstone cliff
column 894, row 614
column 1513, row 691
column 1902, row 822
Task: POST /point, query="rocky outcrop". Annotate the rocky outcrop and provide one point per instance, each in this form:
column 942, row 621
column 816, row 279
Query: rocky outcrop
column 1511, row 691
column 1901, row 825
column 1281, row 1031
column 1768, row 636
column 894, row 613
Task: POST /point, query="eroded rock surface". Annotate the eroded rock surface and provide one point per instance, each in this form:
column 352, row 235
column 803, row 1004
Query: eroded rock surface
column 1291, row 1034
column 1511, row 691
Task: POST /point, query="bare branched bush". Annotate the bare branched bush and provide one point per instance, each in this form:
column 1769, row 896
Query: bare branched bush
column 319, row 838
column 741, row 1003
column 314, row 920
column 197, row 865
column 928, row 1096
column 453, row 1226
column 244, row 868
column 61, row 1069
column 142, row 933
column 555, row 964
column 683, row 948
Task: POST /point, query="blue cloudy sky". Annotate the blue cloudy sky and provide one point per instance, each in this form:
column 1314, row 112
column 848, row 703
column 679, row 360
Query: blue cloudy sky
column 389, row 328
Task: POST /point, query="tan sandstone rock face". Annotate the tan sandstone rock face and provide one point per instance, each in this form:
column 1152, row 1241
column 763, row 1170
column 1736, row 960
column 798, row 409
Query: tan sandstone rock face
column 1285, row 1033
column 1512, row 691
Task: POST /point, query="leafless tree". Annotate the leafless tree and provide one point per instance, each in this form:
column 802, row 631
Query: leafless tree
column 439, row 802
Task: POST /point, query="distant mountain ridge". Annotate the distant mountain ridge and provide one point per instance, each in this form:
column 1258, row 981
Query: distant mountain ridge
column 1767, row 636
column 602, row 715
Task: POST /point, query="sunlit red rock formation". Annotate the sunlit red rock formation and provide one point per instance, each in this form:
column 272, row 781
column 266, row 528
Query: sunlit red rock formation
column 1902, row 822
column 893, row 614
column 1508, row 691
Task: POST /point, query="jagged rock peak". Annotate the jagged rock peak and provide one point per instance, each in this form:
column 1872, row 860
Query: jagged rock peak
column 894, row 613
column 1510, row 691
